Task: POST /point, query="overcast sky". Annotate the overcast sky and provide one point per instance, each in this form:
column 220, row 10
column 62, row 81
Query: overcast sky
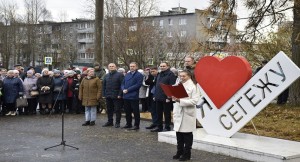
column 75, row 8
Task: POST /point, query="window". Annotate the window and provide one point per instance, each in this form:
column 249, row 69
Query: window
column 89, row 55
column 169, row 34
column 182, row 21
column 82, row 55
column 89, row 25
column 82, row 26
column 90, row 36
column 82, row 36
column 182, row 33
column 170, row 22
column 153, row 23
column 161, row 23
column 82, row 46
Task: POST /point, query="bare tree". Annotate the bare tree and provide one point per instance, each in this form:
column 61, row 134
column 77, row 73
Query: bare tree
column 35, row 11
column 10, row 46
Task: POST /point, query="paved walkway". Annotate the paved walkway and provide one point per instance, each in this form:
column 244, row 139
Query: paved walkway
column 23, row 139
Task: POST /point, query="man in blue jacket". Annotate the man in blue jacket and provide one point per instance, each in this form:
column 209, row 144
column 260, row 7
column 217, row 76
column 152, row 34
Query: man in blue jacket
column 130, row 86
column 112, row 92
column 164, row 104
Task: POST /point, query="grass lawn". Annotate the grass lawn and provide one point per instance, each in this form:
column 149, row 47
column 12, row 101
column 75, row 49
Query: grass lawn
column 278, row 121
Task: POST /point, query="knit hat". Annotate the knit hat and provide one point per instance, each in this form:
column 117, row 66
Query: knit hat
column 55, row 71
column 29, row 72
column 96, row 64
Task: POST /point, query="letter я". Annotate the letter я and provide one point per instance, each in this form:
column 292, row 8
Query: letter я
column 177, row 91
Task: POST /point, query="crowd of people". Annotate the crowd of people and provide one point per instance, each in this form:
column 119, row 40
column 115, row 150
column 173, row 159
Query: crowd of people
column 92, row 89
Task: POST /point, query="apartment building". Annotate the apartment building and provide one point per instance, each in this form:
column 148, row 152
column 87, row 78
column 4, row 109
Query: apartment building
column 72, row 43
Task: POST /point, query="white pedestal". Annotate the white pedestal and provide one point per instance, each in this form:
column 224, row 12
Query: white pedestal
column 243, row 146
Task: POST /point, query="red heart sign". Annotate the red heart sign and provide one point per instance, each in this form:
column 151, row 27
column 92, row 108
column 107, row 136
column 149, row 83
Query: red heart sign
column 221, row 79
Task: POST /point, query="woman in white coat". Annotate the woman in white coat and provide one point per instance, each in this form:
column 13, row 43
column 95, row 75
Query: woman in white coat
column 184, row 116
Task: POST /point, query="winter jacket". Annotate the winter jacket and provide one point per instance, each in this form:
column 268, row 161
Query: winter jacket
column 132, row 82
column 69, row 86
column 29, row 85
column 60, row 82
column 45, row 81
column 166, row 77
column 12, row 88
column 75, row 86
column 112, row 84
column 184, row 112
column 150, row 81
column 90, row 91
column 100, row 73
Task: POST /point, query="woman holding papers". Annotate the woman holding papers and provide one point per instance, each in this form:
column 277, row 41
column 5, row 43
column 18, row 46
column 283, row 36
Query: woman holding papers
column 184, row 116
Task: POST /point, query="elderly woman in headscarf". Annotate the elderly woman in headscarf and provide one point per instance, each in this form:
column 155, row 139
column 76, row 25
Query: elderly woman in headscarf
column 29, row 85
column 12, row 89
column 45, row 86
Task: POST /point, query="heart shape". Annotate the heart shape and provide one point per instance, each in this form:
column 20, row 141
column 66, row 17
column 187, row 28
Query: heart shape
column 222, row 78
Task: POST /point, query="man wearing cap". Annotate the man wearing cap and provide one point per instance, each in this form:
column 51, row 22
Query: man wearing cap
column 100, row 73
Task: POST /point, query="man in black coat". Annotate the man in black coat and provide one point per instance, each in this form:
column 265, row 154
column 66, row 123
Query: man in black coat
column 164, row 104
column 151, row 83
column 112, row 92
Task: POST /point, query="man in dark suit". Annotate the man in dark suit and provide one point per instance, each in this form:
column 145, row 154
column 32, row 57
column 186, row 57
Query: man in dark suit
column 130, row 87
column 112, row 92
column 164, row 104
column 151, row 82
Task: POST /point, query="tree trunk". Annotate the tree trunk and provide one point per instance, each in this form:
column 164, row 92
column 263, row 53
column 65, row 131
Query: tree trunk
column 99, row 34
column 294, row 96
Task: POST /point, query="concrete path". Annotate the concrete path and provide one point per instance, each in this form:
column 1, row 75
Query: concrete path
column 23, row 139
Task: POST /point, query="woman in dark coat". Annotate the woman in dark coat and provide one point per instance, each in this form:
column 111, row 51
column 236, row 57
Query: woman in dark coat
column 45, row 86
column 60, row 90
column 77, row 105
column 12, row 89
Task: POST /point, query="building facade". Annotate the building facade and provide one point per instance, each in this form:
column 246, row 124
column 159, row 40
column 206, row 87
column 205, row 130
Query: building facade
column 72, row 43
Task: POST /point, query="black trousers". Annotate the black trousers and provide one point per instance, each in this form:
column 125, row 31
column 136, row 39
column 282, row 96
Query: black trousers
column 132, row 106
column 114, row 105
column 184, row 141
column 145, row 104
column 10, row 106
column 32, row 104
column 69, row 104
column 59, row 106
column 153, row 111
column 163, row 108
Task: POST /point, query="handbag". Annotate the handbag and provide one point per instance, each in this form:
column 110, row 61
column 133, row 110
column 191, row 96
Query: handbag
column 57, row 88
column 45, row 92
column 34, row 93
column 21, row 102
